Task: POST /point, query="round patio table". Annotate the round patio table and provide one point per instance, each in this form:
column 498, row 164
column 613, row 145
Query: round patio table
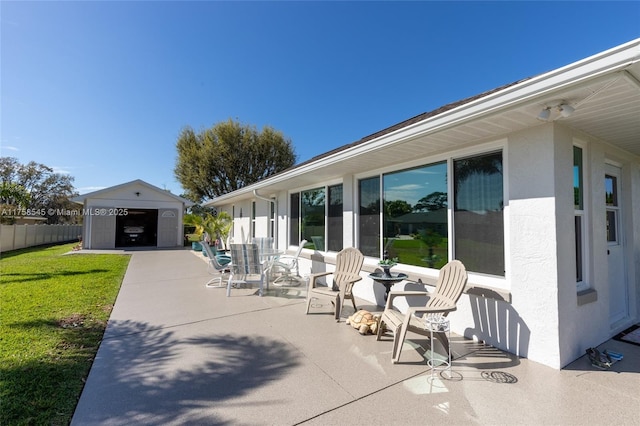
column 268, row 256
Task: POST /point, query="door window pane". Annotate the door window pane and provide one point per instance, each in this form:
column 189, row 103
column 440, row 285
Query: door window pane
column 578, row 230
column 415, row 215
column 478, row 213
column 611, row 190
column 577, row 178
column 369, row 214
column 612, row 233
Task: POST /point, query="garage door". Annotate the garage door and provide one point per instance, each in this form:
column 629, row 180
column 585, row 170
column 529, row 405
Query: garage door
column 103, row 231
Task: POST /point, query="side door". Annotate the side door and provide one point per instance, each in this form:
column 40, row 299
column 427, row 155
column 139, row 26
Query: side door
column 167, row 228
column 618, row 286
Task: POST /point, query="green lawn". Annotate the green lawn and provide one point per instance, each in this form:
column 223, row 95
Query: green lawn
column 414, row 252
column 53, row 313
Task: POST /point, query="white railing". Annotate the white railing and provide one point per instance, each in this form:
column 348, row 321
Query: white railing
column 14, row 237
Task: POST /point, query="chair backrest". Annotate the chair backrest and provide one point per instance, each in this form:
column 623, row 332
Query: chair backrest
column 451, row 283
column 300, row 247
column 348, row 263
column 263, row 242
column 208, row 249
column 216, row 264
column 214, row 261
column 318, row 242
column 245, row 259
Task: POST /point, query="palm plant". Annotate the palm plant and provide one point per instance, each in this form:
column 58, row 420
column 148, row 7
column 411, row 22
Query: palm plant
column 218, row 226
column 198, row 222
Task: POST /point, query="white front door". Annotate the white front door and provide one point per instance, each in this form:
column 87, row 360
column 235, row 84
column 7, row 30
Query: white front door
column 618, row 289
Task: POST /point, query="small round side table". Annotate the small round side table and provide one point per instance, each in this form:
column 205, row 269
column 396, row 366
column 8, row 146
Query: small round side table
column 438, row 324
column 387, row 280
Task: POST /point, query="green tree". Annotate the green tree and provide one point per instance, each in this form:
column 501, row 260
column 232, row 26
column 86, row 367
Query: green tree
column 46, row 188
column 396, row 208
column 229, row 156
column 14, row 195
column 432, row 202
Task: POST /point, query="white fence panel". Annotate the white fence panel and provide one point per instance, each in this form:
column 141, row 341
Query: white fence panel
column 13, row 237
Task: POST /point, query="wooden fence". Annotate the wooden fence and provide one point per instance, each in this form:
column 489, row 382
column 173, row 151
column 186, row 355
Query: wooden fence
column 14, row 237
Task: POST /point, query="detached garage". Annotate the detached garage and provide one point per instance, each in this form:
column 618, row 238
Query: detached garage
column 134, row 214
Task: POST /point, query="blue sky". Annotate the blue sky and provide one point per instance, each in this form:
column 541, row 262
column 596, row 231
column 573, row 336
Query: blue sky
column 101, row 90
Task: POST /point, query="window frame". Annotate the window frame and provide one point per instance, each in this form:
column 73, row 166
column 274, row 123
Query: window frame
column 299, row 228
column 581, row 214
column 456, row 224
column 253, row 219
column 449, row 158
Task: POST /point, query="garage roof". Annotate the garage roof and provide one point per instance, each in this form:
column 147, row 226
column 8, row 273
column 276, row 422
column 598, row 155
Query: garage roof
column 96, row 194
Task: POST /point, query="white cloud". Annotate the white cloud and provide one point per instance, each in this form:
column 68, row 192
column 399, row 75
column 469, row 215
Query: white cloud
column 61, row 169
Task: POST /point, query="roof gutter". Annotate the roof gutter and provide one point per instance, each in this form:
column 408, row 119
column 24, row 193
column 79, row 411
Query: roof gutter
column 260, row 197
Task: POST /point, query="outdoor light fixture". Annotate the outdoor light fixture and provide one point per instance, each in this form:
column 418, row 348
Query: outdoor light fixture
column 563, row 108
column 545, row 114
column 137, row 194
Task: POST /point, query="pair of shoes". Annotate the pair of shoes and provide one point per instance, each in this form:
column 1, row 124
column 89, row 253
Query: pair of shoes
column 599, row 360
column 615, row 356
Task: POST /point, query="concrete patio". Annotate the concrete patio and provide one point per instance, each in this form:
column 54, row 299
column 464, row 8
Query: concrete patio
column 178, row 353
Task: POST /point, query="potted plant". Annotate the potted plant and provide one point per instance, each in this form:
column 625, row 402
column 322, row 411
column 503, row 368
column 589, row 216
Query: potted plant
column 387, row 263
column 198, row 222
column 219, row 226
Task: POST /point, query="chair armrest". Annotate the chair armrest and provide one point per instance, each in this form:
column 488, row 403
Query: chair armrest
column 434, row 309
column 393, row 294
column 285, row 261
column 286, row 257
column 314, row 277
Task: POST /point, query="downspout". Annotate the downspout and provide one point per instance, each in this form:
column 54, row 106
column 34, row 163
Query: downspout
column 271, row 200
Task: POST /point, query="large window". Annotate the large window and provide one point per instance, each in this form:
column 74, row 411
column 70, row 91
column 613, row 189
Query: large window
column 369, row 216
column 478, row 213
column 310, row 215
column 334, row 218
column 415, row 215
column 294, row 219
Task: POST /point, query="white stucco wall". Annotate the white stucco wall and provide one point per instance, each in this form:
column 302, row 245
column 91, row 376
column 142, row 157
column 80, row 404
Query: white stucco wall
column 535, row 311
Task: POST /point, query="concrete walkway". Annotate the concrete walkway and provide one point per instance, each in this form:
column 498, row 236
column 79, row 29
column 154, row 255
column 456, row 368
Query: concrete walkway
column 178, row 353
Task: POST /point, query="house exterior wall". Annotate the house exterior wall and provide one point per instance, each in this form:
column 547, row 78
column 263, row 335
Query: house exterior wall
column 241, row 231
column 528, row 326
column 535, row 310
